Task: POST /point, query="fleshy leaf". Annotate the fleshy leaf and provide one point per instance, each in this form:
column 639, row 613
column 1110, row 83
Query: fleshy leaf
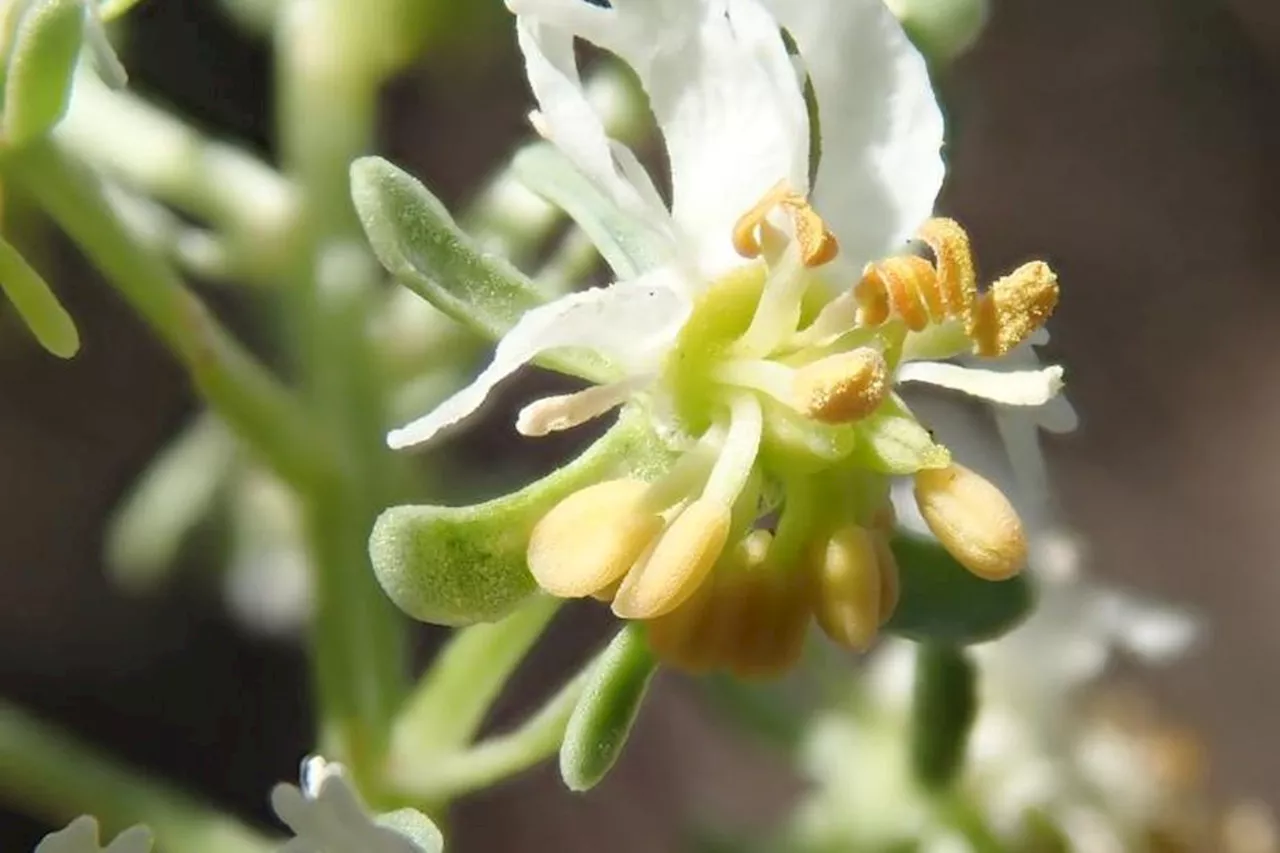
column 418, row 242
column 42, row 68
column 943, row 602
column 36, row 304
column 626, row 244
column 415, row 826
column 458, row 565
column 944, row 704
column 607, row 709
column 894, row 442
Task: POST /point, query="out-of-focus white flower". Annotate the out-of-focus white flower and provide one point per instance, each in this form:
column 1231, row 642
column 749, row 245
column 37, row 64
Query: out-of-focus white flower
column 326, row 816
column 81, row 836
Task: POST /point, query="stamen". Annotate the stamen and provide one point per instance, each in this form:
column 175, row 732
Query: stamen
column 591, row 538
column 738, row 453
column 906, row 286
column 681, row 561
column 763, row 375
column 565, row 411
column 1014, row 307
column 890, row 587
column 817, row 244
column 973, row 520
column 778, row 312
column 845, row 573
column 841, row 388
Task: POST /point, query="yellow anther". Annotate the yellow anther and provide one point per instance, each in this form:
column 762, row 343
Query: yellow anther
column 890, row 587
column 772, row 636
column 681, row 560
column 1014, row 307
column 590, row 539
column 845, row 573
column 957, row 282
column 905, row 286
column 817, row 244
column 973, row 520
column 841, row 388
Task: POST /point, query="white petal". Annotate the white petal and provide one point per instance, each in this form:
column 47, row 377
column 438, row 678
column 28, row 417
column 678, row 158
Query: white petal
column 1010, row 388
column 631, row 323
column 881, row 127
column 568, row 120
column 723, row 91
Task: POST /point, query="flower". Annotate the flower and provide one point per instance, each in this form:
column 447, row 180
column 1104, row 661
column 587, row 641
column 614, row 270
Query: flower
column 326, row 816
column 81, row 836
column 762, row 337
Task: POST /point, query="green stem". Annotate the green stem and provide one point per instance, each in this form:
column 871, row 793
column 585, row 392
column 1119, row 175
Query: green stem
column 50, row 774
column 944, row 704
column 327, row 92
column 451, row 700
column 439, row 779
column 243, row 392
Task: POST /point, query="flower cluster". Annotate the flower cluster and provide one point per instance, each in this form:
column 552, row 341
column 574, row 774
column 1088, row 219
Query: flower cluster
column 762, row 329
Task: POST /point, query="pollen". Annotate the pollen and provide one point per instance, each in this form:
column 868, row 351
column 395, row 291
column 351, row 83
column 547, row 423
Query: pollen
column 590, row 539
column 817, row 244
column 973, row 520
column 680, row 561
column 1014, row 307
column 841, row 388
column 920, row 292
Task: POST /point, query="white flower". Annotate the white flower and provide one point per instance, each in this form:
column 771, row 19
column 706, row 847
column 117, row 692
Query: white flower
column 81, row 836
column 732, row 111
column 757, row 321
column 326, row 816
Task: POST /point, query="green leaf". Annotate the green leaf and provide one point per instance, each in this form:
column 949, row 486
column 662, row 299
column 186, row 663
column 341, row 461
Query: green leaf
column 944, row 704
column 42, row 68
column 942, row 29
column 36, row 303
column 416, row 827
column 627, row 245
column 458, row 565
column 943, row 602
column 171, row 497
column 419, row 243
column 894, row 442
column 607, row 709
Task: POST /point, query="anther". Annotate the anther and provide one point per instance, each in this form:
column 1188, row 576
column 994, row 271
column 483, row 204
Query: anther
column 905, row 286
column 845, row 573
column 973, row 520
column 590, row 539
column 841, row 388
column 953, row 260
column 1014, row 307
column 817, row 244
column 677, row 565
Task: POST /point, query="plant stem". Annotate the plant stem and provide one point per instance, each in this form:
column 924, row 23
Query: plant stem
column 452, row 698
column 327, row 92
column 52, row 775
column 243, row 392
column 439, row 779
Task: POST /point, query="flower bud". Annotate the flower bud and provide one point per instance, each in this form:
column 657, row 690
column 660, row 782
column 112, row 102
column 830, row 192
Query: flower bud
column 973, row 520
column 590, row 539
column 684, row 555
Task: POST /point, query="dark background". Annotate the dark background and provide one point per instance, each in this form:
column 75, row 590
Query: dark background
column 1134, row 143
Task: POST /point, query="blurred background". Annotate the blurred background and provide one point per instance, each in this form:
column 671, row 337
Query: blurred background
column 1134, row 144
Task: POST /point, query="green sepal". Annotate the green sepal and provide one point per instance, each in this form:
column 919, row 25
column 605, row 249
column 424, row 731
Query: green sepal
column 36, row 303
column 41, row 68
column 942, row 29
column 415, row 826
column 942, row 601
column 944, row 703
column 607, row 709
column 459, row 565
column 892, row 441
column 419, row 243
column 627, row 245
